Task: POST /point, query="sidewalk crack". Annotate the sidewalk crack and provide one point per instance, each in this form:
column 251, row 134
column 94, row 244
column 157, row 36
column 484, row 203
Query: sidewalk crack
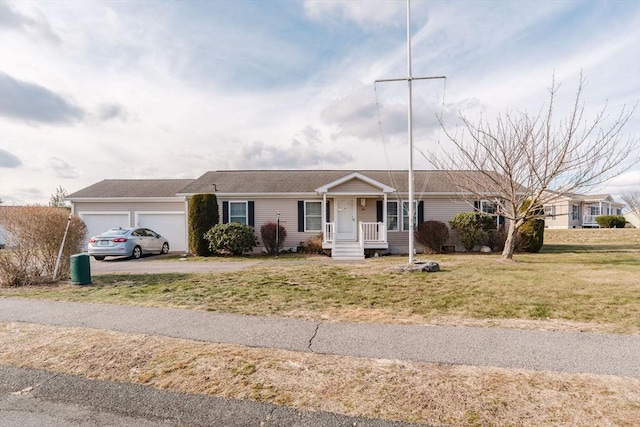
column 264, row 422
column 313, row 337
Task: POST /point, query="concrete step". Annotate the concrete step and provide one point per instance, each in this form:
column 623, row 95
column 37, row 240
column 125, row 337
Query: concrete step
column 347, row 251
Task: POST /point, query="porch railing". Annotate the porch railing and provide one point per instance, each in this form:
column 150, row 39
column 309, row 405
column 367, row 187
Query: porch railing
column 369, row 232
column 328, row 232
column 590, row 219
column 372, row 232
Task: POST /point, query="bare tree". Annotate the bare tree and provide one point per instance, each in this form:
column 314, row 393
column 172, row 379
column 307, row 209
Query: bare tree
column 538, row 158
column 632, row 199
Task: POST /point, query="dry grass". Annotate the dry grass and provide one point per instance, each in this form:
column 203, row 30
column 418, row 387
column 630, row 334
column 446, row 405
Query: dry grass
column 582, row 280
column 394, row 390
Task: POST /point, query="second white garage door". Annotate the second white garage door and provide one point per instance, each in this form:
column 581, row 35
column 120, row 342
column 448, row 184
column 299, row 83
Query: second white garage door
column 171, row 225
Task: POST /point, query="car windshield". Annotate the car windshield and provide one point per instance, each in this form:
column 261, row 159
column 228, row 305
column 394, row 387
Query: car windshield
column 115, row 232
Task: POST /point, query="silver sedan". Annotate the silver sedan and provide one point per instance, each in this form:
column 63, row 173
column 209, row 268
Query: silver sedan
column 133, row 242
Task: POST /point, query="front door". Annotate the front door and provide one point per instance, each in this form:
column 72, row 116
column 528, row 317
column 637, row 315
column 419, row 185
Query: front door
column 345, row 219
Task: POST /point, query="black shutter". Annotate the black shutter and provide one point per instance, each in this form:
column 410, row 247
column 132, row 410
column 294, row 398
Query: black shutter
column 251, row 214
column 225, row 212
column 328, row 212
column 476, row 205
column 300, row 215
column 420, row 212
column 379, row 211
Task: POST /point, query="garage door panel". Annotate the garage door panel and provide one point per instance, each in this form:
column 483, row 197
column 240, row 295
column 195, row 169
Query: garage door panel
column 98, row 222
column 170, row 225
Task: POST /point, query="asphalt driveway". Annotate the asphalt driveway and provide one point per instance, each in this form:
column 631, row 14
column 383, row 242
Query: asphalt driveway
column 163, row 264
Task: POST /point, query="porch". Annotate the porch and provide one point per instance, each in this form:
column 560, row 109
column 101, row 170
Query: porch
column 370, row 235
column 354, row 216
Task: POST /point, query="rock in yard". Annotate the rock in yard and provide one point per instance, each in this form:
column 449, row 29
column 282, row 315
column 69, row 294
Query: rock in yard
column 422, row 266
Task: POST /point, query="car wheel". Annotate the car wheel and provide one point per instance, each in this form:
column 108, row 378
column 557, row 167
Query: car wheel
column 137, row 252
column 98, row 257
column 165, row 248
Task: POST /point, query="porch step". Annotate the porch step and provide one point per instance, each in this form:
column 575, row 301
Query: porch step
column 347, row 251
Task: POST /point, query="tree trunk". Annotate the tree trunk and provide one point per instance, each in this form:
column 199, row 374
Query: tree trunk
column 510, row 243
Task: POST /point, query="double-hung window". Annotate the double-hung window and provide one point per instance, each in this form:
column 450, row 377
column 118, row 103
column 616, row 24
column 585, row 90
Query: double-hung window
column 405, row 215
column 238, row 212
column 312, row 216
column 550, row 211
column 392, row 216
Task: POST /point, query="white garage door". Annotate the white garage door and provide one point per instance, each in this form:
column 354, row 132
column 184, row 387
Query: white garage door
column 97, row 222
column 171, row 225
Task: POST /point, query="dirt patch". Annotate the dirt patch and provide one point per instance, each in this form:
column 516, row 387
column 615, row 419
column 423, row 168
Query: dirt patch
column 390, row 389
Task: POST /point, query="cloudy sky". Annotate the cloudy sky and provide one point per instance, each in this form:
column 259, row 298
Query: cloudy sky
column 171, row 89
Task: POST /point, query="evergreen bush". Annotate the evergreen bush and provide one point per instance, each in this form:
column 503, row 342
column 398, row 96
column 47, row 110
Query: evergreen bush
column 473, row 228
column 432, row 235
column 234, row 238
column 530, row 236
column 611, row 221
column 203, row 214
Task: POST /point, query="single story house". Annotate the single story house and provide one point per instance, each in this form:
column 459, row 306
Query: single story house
column 353, row 211
column 580, row 211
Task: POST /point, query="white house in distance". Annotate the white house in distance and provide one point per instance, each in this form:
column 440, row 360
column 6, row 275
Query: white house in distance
column 353, row 211
column 580, row 211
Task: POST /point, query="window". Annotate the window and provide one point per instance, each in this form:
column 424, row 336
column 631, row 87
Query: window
column 619, row 211
column 550, row 211
column 487, row 207
column 405, row 215
column 238, row 212
column 392, row 216
column 575, row 212
column 312, row 216
column 594, row 210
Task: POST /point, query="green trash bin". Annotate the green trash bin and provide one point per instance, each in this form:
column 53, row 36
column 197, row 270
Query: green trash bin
column 80, row 269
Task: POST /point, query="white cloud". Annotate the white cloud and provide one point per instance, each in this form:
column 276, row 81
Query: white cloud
column 186, row 87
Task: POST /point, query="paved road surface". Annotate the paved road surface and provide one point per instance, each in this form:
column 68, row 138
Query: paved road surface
column 156, row 264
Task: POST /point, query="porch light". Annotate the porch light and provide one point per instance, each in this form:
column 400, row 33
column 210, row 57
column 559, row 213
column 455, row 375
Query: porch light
column 363, row 202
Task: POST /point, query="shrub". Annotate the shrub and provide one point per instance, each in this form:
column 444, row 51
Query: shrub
column 611, row 221
column 530, row 236
column 203, row 214
column 313, row 245
column 34, row 235
column 234, row 238
column 432, row 235
column 269, row 239
column 497, row 238
column 473, row 228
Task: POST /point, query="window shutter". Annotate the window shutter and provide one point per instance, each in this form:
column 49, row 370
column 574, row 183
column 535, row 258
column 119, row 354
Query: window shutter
column 379, row 211
column 328, row 211
column 300, row 215
column 225, row 212
column 476, row 205
column 251, row 214
column 420, row 212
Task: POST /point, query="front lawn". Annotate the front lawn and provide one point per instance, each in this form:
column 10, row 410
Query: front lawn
column 578, row 283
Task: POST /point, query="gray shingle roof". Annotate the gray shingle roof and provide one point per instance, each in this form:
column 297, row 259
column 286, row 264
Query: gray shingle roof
column 307, row 181
column 132, row 188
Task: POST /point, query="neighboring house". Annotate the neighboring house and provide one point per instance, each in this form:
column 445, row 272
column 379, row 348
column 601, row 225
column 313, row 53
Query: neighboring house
column 633, row 218
column 150, row 203
column 353, row 211
column 580, row 211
